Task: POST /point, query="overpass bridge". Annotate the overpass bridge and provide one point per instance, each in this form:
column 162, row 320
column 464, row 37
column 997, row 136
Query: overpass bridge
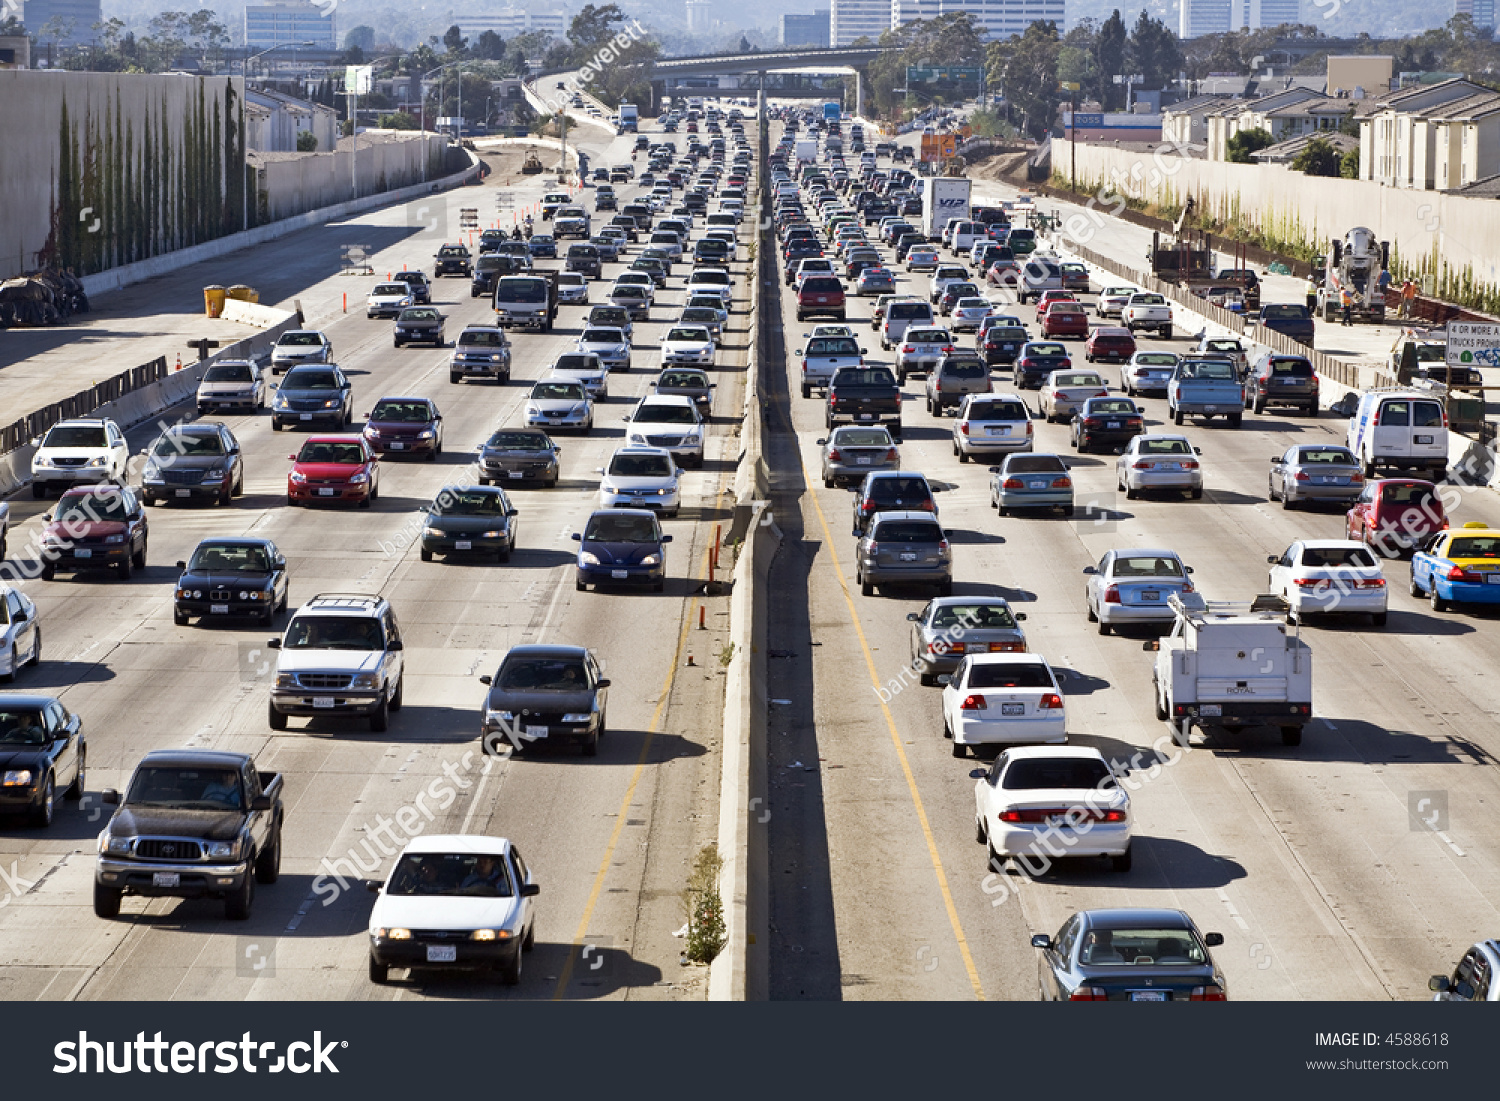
column 760, row 63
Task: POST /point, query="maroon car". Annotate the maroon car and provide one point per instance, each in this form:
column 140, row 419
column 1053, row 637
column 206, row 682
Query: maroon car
column 1395, row 514
column 820, row 294
column 405, row 426
column 1109, row 343
column 95, row 527
column 1065, row 319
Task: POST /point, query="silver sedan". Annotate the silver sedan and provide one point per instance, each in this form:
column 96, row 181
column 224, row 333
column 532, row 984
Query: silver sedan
column 952, row 626
column 852, row 451
column 1132, row 586
column 1159, row 462
column 1315, row 473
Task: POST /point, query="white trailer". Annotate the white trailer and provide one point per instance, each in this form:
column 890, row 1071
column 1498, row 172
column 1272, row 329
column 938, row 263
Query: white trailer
column 1232, row 664
column 807, row 150
column 943, row 197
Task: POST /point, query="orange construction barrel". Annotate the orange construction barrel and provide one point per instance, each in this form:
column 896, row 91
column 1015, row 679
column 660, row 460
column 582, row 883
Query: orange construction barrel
column 244, row 293
column 213, row 300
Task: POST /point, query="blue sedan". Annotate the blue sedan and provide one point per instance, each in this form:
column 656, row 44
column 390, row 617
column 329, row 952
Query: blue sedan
column 622, row 546
column 542, row 245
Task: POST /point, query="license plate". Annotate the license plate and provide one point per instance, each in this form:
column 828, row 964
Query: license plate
column 1424, row 439
column 536, row 731
column 1148, row 995
column 1327, row 481
column 908, row 556
column 1492, row 579
column 863, row 460
column 1151, row 594
column 80, row 552
column 184, row 493
column 325, row 493
column 218, row 609
column 166, row 879
column 1007, row 347
column 1111, row 424
column 305, row 416
column 324, row 701
column 1037, row 484
column 463, row 544
column 976, row 647
column 1210, row 408
column 1165, row 466
column 1211, row 710
column 516, row 474
column 997, row 430
column 867, row 416
column 442, row 953
column 619, row 573
column 395, row 446
column 1012, row 709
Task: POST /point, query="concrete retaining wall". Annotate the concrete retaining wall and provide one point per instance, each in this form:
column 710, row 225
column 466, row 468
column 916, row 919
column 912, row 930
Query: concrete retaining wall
column 295, row 182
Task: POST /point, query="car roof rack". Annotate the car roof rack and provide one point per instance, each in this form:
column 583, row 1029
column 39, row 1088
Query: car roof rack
column 348, row 600
column 1264, row 606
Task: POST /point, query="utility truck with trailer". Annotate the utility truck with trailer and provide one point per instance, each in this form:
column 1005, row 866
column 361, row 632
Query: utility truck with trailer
column 1232, row 664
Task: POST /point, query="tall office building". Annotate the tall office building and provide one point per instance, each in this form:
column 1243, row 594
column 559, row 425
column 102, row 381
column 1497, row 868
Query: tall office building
column 510, row 23
column 1483, row 11
column 700, row 17
column 851, row 19
column 65, row 22
column 1196, row 18
column 999, row 18
column 805, row 30
column 1273, row 13
column 288, row 22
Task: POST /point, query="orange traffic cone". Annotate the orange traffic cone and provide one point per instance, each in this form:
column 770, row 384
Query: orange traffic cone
column 179, row 362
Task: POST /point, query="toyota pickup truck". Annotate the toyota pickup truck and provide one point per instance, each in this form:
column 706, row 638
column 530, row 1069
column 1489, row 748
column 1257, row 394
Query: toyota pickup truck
column 192, row 823
column 824, row 355
column 865, row 395
column 1205, row 388
column 1148, row 311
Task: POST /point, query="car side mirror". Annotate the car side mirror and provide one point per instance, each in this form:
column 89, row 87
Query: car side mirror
column 1090, row 569
column 913, row 617
column 666, row 538
column 1273, row 559
column 182, row 565
column 1275, row 459
column 486, row 679
column 1151, row 645
column 261, row 802
column 1197, row 451
column 530, row 890
column 293, row 458
column 373, row 886
column 396, row 646
column 978, row 773
column 110, row 796
column 602, row 683
column 577, row 537
column 1438, row 984
column 1042, row 941
column 945, row 679
column 1020, row 617
column 1213, row 940
column 274, row 643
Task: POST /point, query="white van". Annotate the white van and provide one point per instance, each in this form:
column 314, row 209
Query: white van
column 1401, row 429
column 899, row 316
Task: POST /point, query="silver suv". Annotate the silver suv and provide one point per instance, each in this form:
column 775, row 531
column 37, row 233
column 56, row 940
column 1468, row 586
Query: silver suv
column 341, row 655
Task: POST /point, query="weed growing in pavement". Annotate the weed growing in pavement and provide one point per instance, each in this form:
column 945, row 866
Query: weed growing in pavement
column 705, row 908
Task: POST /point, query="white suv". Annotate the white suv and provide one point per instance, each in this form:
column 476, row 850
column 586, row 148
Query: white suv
column 671, row 422
column 341, row 655
column 79, row 452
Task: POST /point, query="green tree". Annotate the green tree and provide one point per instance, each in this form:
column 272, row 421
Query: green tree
column 1247, row 142
column 953, row 39
column 307, row 141
column 1024, row 68
column 362, row 37
column 489, row 46
column 1153, row 52
column 1317, row 158
column 455, row 42
column 398, row 120
column 1349, row 165
column 592, row 28
column 1109, row 56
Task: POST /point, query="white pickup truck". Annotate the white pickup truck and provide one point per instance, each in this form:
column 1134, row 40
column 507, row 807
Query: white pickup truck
column 1149, row 311
column 1232, row 664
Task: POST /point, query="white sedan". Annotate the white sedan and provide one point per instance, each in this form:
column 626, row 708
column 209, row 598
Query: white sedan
column 20, row 627
column 687, row 345
column 1002, row 699
column 1064, row 393
column 1329, row 577
column 1112, row 300
column 454, row 902
column 1132, row 586
column 1147, row 372
column 1155, row 461
column 1038, row 803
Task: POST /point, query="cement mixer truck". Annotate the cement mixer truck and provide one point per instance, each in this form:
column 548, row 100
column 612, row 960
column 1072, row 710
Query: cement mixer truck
column 1354, row 263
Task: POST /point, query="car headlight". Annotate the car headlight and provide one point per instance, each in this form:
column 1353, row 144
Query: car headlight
column 577, row 717
column 152, row 473
column 114, row 539
column 425, row 434
column 607, row 487
column 495, row 359
column 220, row 850
column 298, row 477
column 359, row 479
column 364, row 680
column 651, row 560
column 500, row 716
column 330, row 403
column 371, row 431
column 498, row 533
column 281, row 402
column 41, row 460
column 394, row 934
column 588, row 558
column 579, row 410
column 100, row 461
column 16, row 778
column 436, row 533
column 189, row 594
column 490, row 934
column 286, row 680
column 214, row 475
column 116, row 846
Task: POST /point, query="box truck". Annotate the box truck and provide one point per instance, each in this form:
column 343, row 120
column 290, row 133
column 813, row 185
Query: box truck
column 629, row 117
column 943, row 197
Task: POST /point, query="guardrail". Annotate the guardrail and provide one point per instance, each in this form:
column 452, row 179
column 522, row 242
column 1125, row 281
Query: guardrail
column 20, row 432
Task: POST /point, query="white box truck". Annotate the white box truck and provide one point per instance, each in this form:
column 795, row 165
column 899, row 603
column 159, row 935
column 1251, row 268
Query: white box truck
column 943, row 197
column 807, row 150
column 1232, row 664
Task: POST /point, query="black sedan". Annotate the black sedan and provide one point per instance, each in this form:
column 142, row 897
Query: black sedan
column 42, row 752
column 1129, row 955
column 193, row 462
column 545, row 695
column 518, row 456
column 419, row 325
column 231, row 576
column 469, row 520
column 1106, row 422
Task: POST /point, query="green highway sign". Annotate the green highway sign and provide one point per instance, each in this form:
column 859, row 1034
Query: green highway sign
column 918, row 75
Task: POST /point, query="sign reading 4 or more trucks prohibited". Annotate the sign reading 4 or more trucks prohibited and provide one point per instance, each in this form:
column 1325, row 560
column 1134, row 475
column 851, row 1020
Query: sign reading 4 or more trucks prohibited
column 1473, row 345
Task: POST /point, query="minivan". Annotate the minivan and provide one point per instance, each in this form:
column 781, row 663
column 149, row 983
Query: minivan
column 899, row 316
column 1400, row 429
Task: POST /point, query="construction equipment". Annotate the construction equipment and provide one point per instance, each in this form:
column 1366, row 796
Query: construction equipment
column 533, row 165
column 1354, row 264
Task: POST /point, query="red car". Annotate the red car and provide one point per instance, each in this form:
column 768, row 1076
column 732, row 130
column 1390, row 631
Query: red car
column 95, row 527
column 1049, row 297
column 820, row 294
column 1111, row 343
column 1395, row 514
column 1065, row 319
column 333, row 468
column 405, row 426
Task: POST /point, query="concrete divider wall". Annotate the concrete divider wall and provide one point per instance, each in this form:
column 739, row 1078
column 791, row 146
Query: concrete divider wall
column 294, row 183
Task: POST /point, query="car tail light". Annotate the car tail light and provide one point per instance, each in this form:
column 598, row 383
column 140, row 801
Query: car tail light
column 835, row 455
column 926, row 506
column 1112, row 595
column 1302, row 476
column 1356, row 478
column 1062, row 483
column 908, row 348
column 1089, row 994
column 973, row 703
column 1012, row 483
column 1050, row 702
column 963, row 427
column 1190, row 465
column 1143, row 465
column 1310, row 582
column 1213, row 992
column 867, row 505
column 891, row 454
column 1007, row 647
column 1187, row 587
column 1102, row 394
column 1379, row 582
column 1134, row 422
column 1458, row 573
column 1093, row 422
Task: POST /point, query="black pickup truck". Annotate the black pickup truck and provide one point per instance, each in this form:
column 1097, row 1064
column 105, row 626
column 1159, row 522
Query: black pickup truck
column 193, row 823
column 865, row 395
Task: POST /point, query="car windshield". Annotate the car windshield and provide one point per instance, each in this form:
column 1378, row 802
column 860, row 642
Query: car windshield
column 182, row 788
column 189, row 443
column 1077, row 380
column 469, row 502
column 690, row 379
column 92, row 506
column 557, row 391
column 480, row 875
column 301, row 340
column 861, row 437
column 420, row 314
column 693, row 336
column 1046, row 350
column 964, row 368
column 1283, row 313
column 816, row 284
column 973, row 304
column 1034, row 464
column 1147, row 300
column 665, row 414
column 908, row 311
column 640, row 466
column 453, row 250
column 1209, row 370
column 1111, row 405
column 900, row 489
column 1164, row 447
column 1029, row 674
column 331, row 451
column 22, row 727
column 482, row 339
column 907, row 531
column 1222, row 346
column 311, row 632
column 228, row 372
column 628, row 290
column 387, row 289
column 402, row 412
column 928, row 336
column 1041, row 773
column 1291, row 368
column 1137, row 947
column 998, row 411
column 608, row 315
column 1156, row 359
column 1474, row 546
column 864, row 376
column 700, row 315
column 577, row 361
column 1335, row 455
column 618, row 528
column 1146, row 566
column 76, row 436
column 975, row 617
column 1323, row 557
column 310, row 379
column 230, row 557
column 522, row 290
column 509, row 440
column 1408, row 493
